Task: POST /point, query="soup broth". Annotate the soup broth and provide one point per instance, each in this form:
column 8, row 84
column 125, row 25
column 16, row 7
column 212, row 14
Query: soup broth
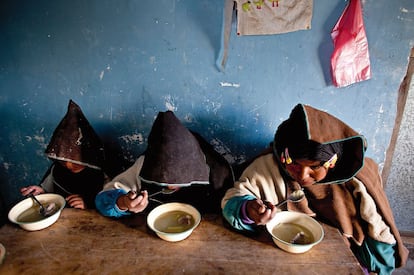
column 30, row 215
column 293, row 233
column 33, row 214
column 174, row 222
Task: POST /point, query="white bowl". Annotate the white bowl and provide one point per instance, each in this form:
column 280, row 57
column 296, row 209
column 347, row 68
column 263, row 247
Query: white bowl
column 27, row 203
column 168, row 207
column 295, row 232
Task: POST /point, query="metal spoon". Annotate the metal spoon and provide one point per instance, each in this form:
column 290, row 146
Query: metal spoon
column 165, row 191
column 295, row 196
column 44, row 211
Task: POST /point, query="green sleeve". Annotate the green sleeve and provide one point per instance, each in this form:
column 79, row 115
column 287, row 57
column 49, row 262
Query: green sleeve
column 231, row 213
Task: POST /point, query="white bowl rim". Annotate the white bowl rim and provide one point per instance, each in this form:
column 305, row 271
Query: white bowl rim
column 39, row 197
column 270, row 225
column 197, row 219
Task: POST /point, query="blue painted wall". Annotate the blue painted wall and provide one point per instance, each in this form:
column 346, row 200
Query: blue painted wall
column 124, row 61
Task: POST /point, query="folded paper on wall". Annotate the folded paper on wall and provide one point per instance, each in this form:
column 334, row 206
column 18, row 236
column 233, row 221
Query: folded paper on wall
column 350, row 58
column 273, row 16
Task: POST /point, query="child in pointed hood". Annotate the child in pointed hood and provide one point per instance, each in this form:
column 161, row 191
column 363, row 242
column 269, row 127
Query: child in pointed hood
column 78, row 155
column 176, row 159
column 320, row 154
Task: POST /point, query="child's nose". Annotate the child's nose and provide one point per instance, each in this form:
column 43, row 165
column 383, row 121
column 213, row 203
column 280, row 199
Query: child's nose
column 304, row 172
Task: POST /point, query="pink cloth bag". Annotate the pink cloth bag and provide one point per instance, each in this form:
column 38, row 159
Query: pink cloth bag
column 350, row 58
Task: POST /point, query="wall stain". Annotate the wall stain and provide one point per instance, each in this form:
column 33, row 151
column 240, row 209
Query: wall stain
column 133, row 138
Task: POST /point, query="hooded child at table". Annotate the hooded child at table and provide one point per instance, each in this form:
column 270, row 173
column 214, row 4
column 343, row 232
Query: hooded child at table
column 316, row 151
column 78, row 155
column 176, row 159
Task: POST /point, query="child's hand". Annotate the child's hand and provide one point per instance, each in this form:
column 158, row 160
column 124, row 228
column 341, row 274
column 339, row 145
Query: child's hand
column 34, row 189
column 133, row 201
column 260, row 212
column 76, row 201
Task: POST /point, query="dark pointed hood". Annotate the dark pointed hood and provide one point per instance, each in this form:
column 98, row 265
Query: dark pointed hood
column 306, row 123
column 75, row 140
column 173, row 155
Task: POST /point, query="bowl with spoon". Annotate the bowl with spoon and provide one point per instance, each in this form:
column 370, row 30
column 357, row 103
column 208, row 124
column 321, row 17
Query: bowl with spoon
column 295, row 232
column 173, row 221
column 37, row 212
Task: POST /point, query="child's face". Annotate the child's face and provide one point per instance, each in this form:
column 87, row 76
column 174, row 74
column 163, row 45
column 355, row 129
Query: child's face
column 73, row 167
column 306, row 172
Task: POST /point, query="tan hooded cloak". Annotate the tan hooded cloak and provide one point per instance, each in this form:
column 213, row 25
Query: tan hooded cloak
column 357, row 205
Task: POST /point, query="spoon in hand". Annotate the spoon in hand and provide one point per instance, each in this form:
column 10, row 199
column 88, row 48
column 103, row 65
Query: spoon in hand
column 295, row 196
column 165, row 191
column 44, row 211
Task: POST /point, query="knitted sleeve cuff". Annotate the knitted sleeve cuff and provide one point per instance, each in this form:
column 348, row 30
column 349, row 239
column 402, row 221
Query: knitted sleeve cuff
column 244, row 218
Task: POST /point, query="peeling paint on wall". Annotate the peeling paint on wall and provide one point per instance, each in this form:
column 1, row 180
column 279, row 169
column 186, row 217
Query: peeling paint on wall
column 170, row 103
column 131, row 144
column 41, row 141
column 101, row 75
column 406, row 11
column 227, row 84
column 212, row 106
column 189, row 118
column 128, row 156
column 133, row 138
column 223, row 150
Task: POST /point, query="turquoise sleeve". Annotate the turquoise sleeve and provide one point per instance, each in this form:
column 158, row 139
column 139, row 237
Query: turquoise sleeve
column 105, row 203
column 231, row 213
column 377, row 256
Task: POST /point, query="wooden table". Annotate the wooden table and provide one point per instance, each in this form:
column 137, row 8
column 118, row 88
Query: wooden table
column 84, row 242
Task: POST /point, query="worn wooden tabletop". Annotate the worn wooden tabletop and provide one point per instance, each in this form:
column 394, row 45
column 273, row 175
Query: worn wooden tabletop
column 84, row 242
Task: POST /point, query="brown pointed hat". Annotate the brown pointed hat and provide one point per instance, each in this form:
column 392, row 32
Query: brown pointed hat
column 307, row 125
column 173, row 155
column 75, row 140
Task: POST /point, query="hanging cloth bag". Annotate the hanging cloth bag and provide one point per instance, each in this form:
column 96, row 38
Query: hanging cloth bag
column 350, row 58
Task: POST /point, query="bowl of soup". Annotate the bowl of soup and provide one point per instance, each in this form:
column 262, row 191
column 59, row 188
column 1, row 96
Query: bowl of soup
column 295, row 232
column 173, row 221
column 26, row 213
